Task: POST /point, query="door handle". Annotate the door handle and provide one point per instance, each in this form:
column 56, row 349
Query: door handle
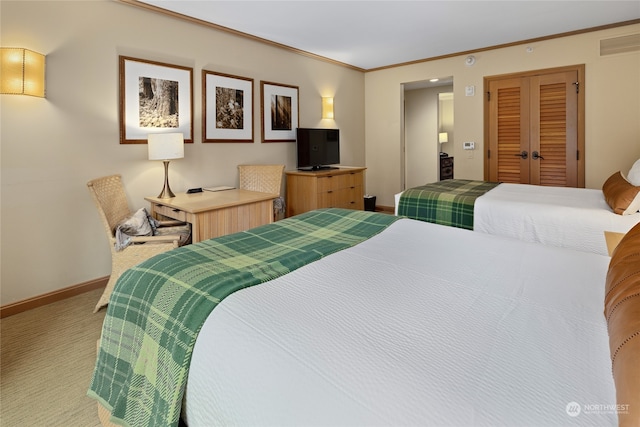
column 536, row 156
column 523, row 155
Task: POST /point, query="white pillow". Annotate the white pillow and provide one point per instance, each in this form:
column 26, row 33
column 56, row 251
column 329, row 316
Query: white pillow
column 634, row 174
column 634, row 206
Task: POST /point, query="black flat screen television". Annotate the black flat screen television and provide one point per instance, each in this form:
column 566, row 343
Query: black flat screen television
column 317, row 148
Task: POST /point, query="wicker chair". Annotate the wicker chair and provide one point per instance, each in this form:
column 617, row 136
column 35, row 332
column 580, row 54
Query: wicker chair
column 266, row 179
column 110, row 199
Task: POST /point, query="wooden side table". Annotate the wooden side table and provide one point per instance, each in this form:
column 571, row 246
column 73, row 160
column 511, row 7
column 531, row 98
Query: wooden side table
column 216, row 213
column 446, row 168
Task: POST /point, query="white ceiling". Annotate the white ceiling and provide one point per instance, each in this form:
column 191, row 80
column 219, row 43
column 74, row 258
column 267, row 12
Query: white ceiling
column 370, row 34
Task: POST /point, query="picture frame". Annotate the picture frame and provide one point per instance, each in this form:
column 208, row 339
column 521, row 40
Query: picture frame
column 155, row 97
column 278, row 112
column 227, row 108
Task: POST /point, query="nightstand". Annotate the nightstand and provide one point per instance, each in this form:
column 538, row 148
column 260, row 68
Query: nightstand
column 446, row 168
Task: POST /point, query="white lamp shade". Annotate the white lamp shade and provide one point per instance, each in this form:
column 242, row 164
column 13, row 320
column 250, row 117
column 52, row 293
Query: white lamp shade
column 443, row 137
column 165, row 146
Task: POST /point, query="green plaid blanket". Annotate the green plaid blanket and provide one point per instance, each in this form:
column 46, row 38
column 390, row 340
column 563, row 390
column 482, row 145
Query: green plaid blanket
column 158, row 307
column 449, row 202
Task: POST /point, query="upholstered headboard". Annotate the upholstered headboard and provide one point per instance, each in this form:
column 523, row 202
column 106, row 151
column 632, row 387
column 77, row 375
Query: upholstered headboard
column 622, row 311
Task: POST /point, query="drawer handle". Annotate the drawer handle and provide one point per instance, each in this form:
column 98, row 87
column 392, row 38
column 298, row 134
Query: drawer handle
column 353, row 187
column 176, row 210
column 330, row 191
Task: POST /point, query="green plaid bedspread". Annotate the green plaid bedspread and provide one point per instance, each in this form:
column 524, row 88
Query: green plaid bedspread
column 159, row 306
column 449, row 202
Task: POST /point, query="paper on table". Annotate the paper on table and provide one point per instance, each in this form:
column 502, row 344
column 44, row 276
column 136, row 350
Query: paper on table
column 218, row 188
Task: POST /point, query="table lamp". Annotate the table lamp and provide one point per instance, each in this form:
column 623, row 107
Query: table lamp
column 442, row 138
column 165, row 147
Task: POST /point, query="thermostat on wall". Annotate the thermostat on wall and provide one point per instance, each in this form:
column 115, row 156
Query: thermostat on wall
column 469, row 145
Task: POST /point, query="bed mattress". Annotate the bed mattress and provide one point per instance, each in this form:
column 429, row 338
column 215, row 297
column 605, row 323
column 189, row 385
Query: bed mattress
column 419, row 325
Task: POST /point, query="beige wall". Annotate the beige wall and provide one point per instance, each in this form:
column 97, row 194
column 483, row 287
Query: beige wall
column 612, row 127
column 51, row 235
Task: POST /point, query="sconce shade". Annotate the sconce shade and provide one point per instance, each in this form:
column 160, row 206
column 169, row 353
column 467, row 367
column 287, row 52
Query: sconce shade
column 165, row 146
column 21, row 72
column 443, row 137
column 327, row 108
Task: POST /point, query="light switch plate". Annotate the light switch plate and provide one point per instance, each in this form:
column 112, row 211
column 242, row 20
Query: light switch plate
column 469, row 90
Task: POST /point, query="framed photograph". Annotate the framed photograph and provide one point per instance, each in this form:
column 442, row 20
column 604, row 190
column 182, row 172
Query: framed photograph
column 279, row 112
column 227, row 103
column 154, row 98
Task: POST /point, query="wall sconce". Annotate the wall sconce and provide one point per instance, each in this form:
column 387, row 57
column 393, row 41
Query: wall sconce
column 165, row 147
column 327, row 107
column 21, row 72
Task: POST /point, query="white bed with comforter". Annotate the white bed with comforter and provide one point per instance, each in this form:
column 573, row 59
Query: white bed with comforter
column 557, row 216
column 419, row 325
column 567, row 217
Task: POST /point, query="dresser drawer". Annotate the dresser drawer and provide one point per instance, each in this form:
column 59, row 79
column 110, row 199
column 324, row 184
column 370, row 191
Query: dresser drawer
column 172, row 213
column 446, row 162
column 337, row 182
column 342, row 198
column 332, row 182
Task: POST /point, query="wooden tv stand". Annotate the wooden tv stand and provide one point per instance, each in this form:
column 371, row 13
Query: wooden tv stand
column 325, row 188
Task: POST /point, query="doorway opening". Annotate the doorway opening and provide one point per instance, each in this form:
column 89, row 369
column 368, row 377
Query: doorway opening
column 422, row 123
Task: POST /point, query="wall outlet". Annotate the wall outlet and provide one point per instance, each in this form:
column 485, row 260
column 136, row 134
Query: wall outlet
column 469, row 145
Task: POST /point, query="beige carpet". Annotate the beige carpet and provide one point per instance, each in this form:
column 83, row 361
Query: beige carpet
column 46, row 360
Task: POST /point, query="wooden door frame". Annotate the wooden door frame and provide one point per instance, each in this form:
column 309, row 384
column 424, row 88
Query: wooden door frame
column 580, row 69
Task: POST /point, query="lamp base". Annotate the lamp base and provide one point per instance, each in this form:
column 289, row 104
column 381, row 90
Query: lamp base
column 166, row 192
